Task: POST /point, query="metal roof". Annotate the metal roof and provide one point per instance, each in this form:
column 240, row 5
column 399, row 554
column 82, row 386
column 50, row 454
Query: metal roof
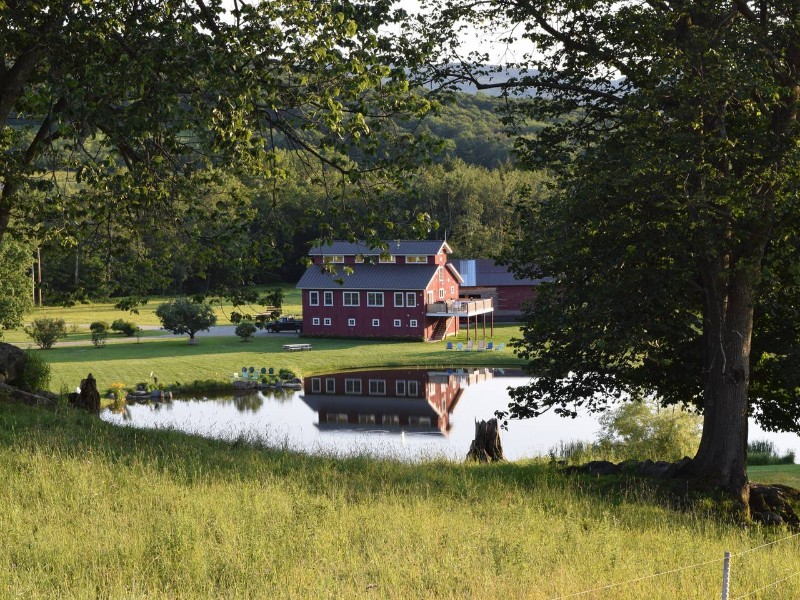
column 369, row 277
column 394, row 247
column 480, row 272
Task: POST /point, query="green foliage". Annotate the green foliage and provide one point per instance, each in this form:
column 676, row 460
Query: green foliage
column 762, row 452
column 245, row 330
column 672, row 236
column 36, row 374
column 16, row 260
column 184, row 316
column 46, row 331
column 98, row 326
column 99, row 337
column 639, row 430
column 126, row 328
column 169, row 150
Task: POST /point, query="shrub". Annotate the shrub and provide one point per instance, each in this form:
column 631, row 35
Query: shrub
column 36, row 374
column 640, row 430
column 124, row 327
column 245, row 330
column 98, row 326
column 763, row 452
column 118, row 389
column 46, row 331
column 99, row 337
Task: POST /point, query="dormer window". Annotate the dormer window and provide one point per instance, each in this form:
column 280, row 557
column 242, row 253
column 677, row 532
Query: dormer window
column 333, row 258
column 387, row 258
column 416, row 259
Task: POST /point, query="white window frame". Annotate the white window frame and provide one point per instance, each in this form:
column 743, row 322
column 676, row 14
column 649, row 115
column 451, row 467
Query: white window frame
column 327, row 298
column 379, row 387
column 375, row 299
column 411, row 299
column 400, row 388
column 398, row 323
column 387, row 259
column 347, row 298
column 376, row 322
column 332, row 258
column 327, row 322
column 417, row 258
column 441, row 273
column 351, row 322
column 398, row 299
column 430, row 296
column 330, row 385
column 413, row 323
column 441, row 293
column 313, row 298
column 413, row 388
column 315, row 321
column 350, row 387
column 452, row 289
column 316, row 385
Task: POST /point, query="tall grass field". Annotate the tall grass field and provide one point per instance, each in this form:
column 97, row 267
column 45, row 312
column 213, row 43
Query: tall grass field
column 93, row 511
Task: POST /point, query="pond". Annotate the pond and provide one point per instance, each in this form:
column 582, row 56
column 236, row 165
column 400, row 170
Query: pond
column 409, row 414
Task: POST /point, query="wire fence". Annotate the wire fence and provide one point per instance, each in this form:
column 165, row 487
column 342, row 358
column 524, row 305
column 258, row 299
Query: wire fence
column 694, row 566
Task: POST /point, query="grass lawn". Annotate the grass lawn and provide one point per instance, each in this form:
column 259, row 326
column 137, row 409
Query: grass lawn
column 172, row 359
column 785, row 474
column 83, row 314
column 96, row 511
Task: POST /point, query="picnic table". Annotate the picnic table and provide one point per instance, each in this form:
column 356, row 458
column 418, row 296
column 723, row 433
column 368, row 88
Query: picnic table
column 296, row 347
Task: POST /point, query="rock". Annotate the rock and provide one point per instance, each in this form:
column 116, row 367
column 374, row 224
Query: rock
column 768, row 518
column 12, row 363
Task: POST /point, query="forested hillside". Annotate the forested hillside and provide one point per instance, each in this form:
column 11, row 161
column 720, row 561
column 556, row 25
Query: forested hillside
column 241, row 230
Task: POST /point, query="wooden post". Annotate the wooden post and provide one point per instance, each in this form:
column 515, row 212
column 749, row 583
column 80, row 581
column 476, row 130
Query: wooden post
column 39, row 269
column 726, row 575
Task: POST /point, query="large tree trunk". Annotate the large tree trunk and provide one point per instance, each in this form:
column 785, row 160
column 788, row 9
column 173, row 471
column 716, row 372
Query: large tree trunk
column 721, row 460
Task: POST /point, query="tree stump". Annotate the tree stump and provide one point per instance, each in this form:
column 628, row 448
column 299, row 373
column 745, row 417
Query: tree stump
column 88, row 398
column 486, row 446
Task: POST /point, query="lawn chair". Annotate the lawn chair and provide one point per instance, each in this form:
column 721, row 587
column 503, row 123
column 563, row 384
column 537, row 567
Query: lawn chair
column 470, row 345
column 500, row 346
column 490, row 346
column 449, row 346
column 244, row 373
column 481, row 346
column 459, row 346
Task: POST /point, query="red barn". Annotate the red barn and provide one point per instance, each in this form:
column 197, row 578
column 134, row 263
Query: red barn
column 484, row 278
column 408, row 290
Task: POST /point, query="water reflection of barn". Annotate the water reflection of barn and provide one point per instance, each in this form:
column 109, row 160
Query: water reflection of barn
column 397, row 399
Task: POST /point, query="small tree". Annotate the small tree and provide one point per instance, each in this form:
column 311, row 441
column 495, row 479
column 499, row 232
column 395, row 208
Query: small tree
column 245, row 330
column 99, row 331
column 182, row 316
column 641, row 430
column 46, row 331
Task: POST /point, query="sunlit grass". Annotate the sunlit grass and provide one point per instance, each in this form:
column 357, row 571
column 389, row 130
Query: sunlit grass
column 84, row 314
column 91, row 510
column 173, row 360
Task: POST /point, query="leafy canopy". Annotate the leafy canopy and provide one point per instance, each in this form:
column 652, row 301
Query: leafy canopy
column 672, row 234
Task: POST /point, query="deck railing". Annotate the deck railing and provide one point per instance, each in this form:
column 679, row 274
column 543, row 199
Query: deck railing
column 462, row 308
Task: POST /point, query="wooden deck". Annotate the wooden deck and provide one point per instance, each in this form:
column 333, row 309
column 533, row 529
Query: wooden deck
column 459, row 308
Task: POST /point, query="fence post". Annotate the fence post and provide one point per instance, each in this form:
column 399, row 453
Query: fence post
column 726, row 575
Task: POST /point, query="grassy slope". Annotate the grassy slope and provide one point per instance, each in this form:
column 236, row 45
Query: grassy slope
column 786, row 474
column 90, row 510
